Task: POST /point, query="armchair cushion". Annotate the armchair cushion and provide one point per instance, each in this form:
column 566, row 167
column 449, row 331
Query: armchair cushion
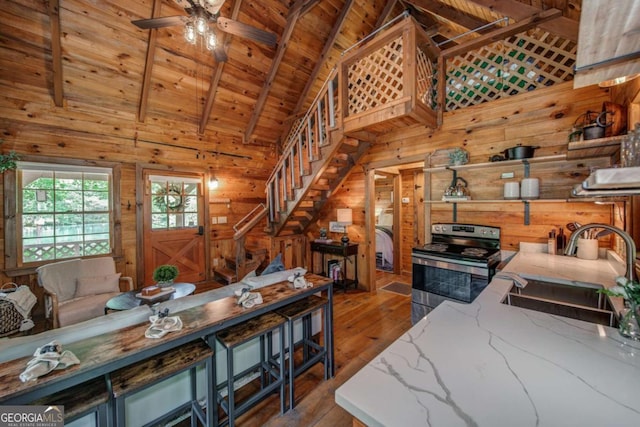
column 83, row 308
column 94, row 285
column 60, row 278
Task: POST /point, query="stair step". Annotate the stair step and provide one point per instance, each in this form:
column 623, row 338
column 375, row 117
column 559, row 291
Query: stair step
column 225, row 274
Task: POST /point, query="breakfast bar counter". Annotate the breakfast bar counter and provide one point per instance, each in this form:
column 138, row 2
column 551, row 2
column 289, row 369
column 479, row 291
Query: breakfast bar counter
column 105, row 353
column 489, row 364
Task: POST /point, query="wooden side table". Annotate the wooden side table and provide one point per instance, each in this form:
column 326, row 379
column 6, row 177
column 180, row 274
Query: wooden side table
column 345, row 251
column 128, row 300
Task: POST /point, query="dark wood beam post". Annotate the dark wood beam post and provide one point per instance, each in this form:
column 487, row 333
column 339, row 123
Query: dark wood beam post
column 148, row 64
column 56, row 52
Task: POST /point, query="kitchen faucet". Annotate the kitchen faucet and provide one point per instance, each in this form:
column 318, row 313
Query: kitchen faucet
column 630, row 245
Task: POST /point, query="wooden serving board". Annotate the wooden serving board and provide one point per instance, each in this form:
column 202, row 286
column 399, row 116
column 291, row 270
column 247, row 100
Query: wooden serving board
column 164, row 293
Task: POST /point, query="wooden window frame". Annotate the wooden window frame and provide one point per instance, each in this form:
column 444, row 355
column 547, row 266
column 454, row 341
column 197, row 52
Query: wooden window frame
column 12, row 263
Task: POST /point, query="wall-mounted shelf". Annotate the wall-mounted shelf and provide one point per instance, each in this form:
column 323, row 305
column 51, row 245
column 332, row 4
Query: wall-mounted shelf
column 525, row 163
column 601, row 147
column 469, row 166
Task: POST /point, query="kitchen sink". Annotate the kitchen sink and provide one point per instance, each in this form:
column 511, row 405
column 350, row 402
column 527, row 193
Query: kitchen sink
column 577, row 300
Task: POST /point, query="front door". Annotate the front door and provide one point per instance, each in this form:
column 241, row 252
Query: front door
column 174, row 225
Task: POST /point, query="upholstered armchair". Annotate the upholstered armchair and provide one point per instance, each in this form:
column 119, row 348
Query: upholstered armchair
column 77, row 290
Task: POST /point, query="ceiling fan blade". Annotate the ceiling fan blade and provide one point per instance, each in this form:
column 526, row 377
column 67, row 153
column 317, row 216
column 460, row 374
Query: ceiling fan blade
column 166, row 21
column 220, row 54
column 247, row 31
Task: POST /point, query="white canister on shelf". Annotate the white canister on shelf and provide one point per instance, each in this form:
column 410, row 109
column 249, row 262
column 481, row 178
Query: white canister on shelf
column 511, row 190
column 530, row 188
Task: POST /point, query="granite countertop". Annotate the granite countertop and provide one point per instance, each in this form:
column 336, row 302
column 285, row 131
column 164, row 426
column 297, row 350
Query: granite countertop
column 488, row 364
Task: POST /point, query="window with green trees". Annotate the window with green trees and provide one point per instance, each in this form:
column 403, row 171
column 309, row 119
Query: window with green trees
column 63, row 211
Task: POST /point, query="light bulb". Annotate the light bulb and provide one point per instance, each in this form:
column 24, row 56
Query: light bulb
column 212, row 41
column 213, row 183
column 201, row 25
column 190, row 32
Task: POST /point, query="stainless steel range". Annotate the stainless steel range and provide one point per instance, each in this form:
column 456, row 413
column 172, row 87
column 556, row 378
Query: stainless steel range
column 457, row 265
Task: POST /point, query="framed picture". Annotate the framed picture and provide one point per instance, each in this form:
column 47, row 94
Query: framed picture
column 335, row 227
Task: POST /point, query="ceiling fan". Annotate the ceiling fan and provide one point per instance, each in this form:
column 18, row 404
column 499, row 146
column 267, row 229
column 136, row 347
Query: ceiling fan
column 201, row 13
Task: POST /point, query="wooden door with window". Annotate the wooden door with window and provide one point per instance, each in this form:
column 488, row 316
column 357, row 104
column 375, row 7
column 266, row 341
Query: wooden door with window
column 173, row 225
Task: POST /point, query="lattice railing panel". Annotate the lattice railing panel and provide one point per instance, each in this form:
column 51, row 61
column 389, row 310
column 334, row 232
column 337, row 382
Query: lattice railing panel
column 522, row 63
column 426, row 83
column 376, row 79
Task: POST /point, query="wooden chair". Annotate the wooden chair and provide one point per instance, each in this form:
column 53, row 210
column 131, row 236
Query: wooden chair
column 133, row 379
column 312, row 352
column 270, row 367
column 87, row 398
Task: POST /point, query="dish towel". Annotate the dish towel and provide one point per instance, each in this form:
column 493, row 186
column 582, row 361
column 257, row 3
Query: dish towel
column 46, row 359
column 162, row 325
column 23, row 300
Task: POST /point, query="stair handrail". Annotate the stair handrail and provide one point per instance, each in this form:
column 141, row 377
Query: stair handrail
column 291, row 138
column 249, row 223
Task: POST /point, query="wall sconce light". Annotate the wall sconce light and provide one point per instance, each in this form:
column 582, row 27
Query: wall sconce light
column 345, row 218
column 213, row 183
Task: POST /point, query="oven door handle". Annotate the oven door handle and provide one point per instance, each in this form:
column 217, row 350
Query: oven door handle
column 458, row 265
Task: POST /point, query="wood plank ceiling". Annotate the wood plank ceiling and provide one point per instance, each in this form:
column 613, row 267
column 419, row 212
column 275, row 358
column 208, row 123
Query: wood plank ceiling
column 96, row 56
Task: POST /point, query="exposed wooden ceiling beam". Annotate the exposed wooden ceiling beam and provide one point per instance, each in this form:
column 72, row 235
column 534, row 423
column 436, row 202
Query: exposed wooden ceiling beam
column 335, row 32
column 148, row 64
column 217, row 75
column 56, row 52
column 450, row 14
column 500, row 34
column 563, row 27
column 294, row 13
column 386, row 12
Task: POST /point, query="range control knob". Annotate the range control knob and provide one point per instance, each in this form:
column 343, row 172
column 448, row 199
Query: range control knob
column 444, row 228
column 436, row 228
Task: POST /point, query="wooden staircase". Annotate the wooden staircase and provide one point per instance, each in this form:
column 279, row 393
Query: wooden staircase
column 386, row 83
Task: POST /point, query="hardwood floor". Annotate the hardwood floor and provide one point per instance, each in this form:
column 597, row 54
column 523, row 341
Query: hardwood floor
column 364, row 325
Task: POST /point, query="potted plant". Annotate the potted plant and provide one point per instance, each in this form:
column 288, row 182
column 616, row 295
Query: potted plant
column 165, row 274
column 458, row 157
column 8, row 161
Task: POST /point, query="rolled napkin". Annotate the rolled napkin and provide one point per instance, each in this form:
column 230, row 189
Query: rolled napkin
column 46, row 359
column 162, row 325
column 248, row 299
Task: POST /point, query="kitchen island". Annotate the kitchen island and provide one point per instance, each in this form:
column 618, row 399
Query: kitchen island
column 489, row 364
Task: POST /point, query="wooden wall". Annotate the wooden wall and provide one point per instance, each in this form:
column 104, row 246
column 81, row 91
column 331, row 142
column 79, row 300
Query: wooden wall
column 542, row 118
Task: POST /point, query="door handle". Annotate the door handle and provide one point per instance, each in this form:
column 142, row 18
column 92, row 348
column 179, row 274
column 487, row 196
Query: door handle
column 201, row 230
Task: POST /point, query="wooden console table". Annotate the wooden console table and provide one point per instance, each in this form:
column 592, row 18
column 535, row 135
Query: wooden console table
column 100, row 355
column 345, row 251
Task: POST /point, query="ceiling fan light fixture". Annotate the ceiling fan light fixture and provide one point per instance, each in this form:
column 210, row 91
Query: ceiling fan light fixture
column 212, row 40
column 201, row 25
column 190, row 32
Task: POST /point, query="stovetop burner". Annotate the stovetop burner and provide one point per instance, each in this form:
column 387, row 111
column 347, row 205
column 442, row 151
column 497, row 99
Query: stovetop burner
column 477, row 243
column 458, row 251
column 475, row 252
column 435, row 247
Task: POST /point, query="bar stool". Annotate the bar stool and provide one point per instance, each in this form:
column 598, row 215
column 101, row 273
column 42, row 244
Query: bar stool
column 132, row 379
column 270, row 367
column 81, row 400
column 312, row 352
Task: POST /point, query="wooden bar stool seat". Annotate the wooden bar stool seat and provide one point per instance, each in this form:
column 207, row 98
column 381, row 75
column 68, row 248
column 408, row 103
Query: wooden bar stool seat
column 81, row 400
column 135, row 378
column 312, row 351
column 270, row 367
